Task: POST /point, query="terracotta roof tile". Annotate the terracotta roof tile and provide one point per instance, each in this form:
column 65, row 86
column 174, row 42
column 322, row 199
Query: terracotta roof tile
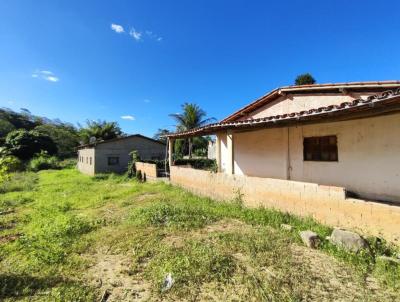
column 389, row 99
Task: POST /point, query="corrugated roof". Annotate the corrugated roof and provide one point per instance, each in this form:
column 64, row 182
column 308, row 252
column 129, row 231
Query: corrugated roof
column 314, row 88
column 386, row 102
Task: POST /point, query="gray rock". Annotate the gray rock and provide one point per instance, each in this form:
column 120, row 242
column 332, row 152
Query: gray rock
column 286, row 227
column 389, row 259
column 310, row 238
column 348, row 240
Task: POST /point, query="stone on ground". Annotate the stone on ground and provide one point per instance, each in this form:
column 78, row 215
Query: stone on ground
column 286, row 227
column 310, row 238
column 348, row 240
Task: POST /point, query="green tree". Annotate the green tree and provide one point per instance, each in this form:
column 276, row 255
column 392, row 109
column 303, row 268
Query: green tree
column 160, row 132
column 5, row 128
column 304, row 79
column 65, row 137
column 25, row 144
column 192, row 116
column 99, row 130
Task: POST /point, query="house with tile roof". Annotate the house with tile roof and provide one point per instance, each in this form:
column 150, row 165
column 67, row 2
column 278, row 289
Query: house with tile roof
column 309, row 150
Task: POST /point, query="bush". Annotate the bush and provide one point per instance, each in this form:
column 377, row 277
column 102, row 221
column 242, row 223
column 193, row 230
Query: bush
column 139, row 175
column 135, row 157
column 68, row 163
column 198, row 163
column 9, row 164
column 15, row 182
column 44, row 162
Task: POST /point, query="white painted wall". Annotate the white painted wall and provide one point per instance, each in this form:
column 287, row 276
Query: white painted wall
column 224, row 151
column 84, row 164
column 369, row 155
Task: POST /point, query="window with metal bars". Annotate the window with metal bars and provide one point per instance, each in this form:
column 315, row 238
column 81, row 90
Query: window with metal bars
column 320, row 148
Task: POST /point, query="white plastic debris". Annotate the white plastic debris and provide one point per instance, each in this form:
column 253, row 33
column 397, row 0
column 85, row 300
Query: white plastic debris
column 168, row 282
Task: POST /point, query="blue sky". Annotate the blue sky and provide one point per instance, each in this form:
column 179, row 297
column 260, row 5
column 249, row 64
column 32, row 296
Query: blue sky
column 66, row 59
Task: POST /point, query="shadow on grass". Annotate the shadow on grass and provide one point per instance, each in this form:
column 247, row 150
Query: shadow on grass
column 13, row 286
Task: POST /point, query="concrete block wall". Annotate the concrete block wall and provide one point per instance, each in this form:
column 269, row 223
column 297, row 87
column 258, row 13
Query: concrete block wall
column 326, row 204
column 149, row 169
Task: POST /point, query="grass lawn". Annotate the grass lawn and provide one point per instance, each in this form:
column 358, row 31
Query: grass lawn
column 65, row 236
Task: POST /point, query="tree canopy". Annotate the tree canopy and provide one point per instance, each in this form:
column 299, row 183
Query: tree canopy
column 160, row 132
column 305, row 79
column 65, row 138
column 99, row 130
column 25, row 144
column 47, row 133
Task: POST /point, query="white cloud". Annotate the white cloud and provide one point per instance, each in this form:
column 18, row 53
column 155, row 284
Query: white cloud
column 153, row 36
column 137, row 35
column 45, row 75
column 52, row 79
column 147, row 101
column 128, row 117
column 117, row 28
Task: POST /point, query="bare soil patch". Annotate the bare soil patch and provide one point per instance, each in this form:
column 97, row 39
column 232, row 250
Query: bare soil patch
column 331, row 280
column 111, row 274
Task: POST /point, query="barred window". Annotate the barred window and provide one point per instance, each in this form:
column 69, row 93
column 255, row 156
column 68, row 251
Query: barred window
column 321, row 148
column 113, row 161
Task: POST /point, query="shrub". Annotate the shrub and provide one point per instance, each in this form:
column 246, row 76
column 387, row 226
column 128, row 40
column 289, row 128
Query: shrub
column 139, row 175
column 24, row 181
column 68, row 163
column 198, row 163
column 9, row 164
column 44, row 162
column 135, row 157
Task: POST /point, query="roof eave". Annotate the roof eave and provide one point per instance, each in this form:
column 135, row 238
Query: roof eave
column 386, row 104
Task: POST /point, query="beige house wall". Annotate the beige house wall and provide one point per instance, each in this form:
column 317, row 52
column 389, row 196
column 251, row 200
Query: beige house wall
column 224, row 151
column 299, row 102
column 368, row 151
column 326, row 204
column 260, row 153
column 86, row 161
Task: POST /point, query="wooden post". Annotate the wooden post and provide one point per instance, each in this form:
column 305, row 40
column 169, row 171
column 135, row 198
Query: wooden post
column 171, row 143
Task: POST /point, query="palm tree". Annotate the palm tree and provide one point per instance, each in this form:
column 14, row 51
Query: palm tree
column 99, row 130
column 191, row 117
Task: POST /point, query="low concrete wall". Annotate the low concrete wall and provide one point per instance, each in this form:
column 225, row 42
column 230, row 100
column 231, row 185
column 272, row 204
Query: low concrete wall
column 149, row 169
column 326, row 204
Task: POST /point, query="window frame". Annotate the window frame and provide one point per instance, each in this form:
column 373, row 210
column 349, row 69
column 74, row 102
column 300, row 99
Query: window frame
column 321, row 145
column 113, row 157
